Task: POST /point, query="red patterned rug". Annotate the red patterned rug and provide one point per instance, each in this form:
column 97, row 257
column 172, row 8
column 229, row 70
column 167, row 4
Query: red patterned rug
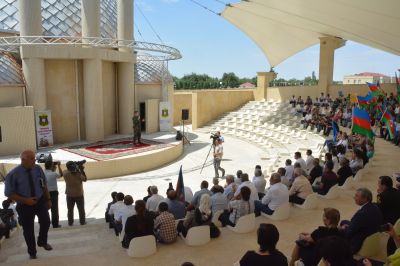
column 106, row 150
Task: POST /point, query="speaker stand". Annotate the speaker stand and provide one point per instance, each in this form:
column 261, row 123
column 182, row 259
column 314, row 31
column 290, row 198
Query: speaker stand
column 185, row 140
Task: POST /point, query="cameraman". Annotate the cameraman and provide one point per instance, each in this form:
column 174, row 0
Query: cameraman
column 218, row 153
column 51, row 177
column 74, row 176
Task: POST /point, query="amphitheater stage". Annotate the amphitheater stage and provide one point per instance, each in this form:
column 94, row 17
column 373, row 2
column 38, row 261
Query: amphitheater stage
column 115, row 156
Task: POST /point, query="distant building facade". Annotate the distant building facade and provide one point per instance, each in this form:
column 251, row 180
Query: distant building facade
column 364, row 77
column 247, row 85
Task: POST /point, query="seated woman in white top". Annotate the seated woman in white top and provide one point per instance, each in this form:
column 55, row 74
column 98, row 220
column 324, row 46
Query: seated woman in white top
column 238, row 208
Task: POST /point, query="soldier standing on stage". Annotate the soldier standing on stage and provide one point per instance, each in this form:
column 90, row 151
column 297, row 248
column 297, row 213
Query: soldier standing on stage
column 136, row 128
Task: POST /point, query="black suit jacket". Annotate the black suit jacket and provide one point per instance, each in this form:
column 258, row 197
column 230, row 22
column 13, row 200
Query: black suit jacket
column 389, row 203
column 365, row 222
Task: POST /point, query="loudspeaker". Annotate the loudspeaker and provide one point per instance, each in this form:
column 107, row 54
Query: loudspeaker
column 185, row 114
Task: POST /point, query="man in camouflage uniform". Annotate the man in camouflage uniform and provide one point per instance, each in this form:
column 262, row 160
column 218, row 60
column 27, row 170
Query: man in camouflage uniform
column 136, row 128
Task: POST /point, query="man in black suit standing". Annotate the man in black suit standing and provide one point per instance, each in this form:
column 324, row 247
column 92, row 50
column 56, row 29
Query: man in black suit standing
column 365, row 221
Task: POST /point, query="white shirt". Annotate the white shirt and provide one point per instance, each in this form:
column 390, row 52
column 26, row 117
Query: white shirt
column 276, row 195
column 219, row 202
column 219, row 151
column 309, row 163
column 115, row 207
column 308, row 117
column 153, row 201
column 336, row 165
column 51, row 178
column 188, row 194
column 289, row 172
column 302, row 163
column 260, row 183
column 254, row 193
column 123, row 213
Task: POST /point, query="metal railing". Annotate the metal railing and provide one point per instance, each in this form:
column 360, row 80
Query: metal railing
column 163, row 52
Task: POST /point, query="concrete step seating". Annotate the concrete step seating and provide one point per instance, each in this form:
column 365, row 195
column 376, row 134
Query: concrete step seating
column 270, row 125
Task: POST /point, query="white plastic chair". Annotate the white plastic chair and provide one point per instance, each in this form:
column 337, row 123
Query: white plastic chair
column 280, row 213
column 143, row 246
column 348, row 184
column 333, row 193
column 311, row 202
column 121, row 236
column 359, row 175
column 244, row 224
column 197, row 236
column 215, row 218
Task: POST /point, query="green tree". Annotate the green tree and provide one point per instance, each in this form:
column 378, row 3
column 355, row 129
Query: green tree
column 230, row 80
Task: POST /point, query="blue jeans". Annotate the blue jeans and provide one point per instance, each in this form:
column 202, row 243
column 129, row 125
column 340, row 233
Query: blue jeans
column 260, row 207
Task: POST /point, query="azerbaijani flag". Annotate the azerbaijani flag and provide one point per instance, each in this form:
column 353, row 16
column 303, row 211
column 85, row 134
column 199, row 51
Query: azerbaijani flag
column 398, row 87
column 362, row 123
column 375, row 90
column 180, row 188
column 388, row 119
column 365, row 100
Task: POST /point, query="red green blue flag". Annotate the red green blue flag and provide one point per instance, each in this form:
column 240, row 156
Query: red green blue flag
column 365, row 101
column 398, row 87
column 388, row 120
column 375, row 90
column 362, row 123
column 180, row 187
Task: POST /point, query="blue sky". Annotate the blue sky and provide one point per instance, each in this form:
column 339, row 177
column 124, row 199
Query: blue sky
column 211, row 45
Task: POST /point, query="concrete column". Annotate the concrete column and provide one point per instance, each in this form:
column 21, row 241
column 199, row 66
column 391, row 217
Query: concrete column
column 30, row 20
column 93, row 99
column 125, row 21
column 34, row 74
column 90, row 12
column 263, row 80
column 126, row 87
column 328, row 45
column 126, row 78
column 33, row 68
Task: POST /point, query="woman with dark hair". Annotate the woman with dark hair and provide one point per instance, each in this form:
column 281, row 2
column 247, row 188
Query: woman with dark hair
column 306, row 248
column 238, row 208
column 140, row 224
column 267, row 254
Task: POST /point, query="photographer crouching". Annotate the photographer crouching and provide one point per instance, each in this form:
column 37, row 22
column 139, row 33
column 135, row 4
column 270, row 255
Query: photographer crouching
column 74, row 176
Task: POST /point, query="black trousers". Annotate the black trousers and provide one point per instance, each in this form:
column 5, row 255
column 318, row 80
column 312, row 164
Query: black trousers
column 54, row 208
column 27, row 219
column 80, row 204
column 137, row 137
column 296, row 200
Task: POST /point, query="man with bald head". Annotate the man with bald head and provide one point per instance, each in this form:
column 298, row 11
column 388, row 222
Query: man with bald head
column 26, row 184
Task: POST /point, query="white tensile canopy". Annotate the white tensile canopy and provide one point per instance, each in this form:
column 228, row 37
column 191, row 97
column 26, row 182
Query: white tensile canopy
column 282, row 28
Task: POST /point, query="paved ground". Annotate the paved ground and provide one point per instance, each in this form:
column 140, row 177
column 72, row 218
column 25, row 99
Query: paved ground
column 95, row 244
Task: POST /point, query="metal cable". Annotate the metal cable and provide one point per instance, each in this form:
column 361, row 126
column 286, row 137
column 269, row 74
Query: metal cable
column 203, row 6
column 148, row 22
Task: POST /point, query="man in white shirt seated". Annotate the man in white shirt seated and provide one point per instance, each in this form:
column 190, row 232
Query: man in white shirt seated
column 289, row 170
column 309, row 161
column 219, row 202
column 284, row 180
column 259, row 182
column 300, row 188
column 238, row 179
column 114, row 208
column 297, row 157
column 247, row 183
column 154, row 200
column 230, row 187
column 122, row 214
column 275, row 196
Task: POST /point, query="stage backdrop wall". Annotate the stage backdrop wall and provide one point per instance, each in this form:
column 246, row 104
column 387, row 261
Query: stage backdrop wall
column 11, row 95
column 17, row 130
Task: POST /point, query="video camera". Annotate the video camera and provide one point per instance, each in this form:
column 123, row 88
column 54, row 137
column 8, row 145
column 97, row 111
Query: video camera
column 75, row 166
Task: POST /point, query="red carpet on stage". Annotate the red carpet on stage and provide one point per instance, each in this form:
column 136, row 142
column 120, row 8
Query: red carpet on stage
column 106, row 150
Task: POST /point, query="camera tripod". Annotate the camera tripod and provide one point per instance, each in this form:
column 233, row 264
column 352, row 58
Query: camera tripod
column 208, row 154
